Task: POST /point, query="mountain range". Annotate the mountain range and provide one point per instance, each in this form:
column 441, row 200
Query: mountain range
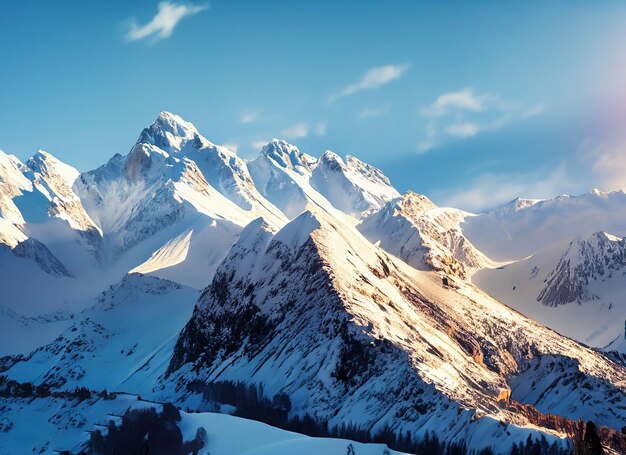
column 307, row 293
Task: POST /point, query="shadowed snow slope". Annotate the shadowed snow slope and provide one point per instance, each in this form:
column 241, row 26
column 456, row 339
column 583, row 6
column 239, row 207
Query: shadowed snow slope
column 122, row 341
column 223, row 432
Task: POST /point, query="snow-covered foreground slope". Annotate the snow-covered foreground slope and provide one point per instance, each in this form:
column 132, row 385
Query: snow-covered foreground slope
column 346, row 334
column 65, row 424
column 224, row 435
column 575, row 287
column 424, row 236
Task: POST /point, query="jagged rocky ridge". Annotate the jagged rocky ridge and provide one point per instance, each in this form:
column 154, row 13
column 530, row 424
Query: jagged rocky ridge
column 425, row 236
column 361, row 338
column 591, row 259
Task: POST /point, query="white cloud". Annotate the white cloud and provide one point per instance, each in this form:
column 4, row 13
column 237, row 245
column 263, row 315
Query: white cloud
column 373, row 112
column 430, row 141
column 373, row 78
column 608, row 163
column 463, row 100
column 259, row 144
column 232, row 146
column 534, row 110
column 465, row 114
column 320, row 129
column 250, row 116
column 491, row 189
column 162, row 25
column 298, row 131
column 463, row 130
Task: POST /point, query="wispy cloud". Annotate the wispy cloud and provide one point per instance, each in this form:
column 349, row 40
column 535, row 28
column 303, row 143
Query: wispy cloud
column 465, row 114
column 373, row 78
column 373, row 112
column 163, row 24
column 534, row 110
column 463, row 100
column 258, row 144
column 463, row 130
column 320, row 129
column 232, row 146
column 607, row 161
column 298, row 131
column 491, row 189
column 250, row 116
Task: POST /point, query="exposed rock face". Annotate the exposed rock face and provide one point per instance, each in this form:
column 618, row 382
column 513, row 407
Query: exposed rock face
column 424, row 236
column 34, row 249
column 599, row 256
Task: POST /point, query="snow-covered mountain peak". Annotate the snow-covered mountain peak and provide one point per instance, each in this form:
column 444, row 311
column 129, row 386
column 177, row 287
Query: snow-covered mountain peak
column 351, row 185
column 12, row 184
column 574, row 287
column 423, row 235
column 169, row 131
column 286, row 155
column 11, row 173
column 597, row 192
column 298, row 231
column 254, row 227
column 176, row 140
column 516, row 204
column 590, row 268
column 172, row 175
column 371, row 173
column 606, row 236
column 329, row 157
column 587, row 257
column 52, row 176
column 413, row 204
column 596, row 239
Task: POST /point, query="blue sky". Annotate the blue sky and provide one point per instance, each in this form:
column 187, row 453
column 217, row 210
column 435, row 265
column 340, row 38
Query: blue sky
column 471, row 103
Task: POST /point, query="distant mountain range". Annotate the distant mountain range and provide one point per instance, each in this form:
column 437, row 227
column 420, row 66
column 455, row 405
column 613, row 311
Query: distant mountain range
column 307, row 293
